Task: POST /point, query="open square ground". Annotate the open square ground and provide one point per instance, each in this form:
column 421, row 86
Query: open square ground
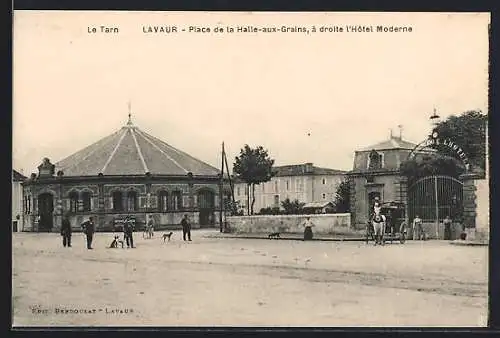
column 246, row 282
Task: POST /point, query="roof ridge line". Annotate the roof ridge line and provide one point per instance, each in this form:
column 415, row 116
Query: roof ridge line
column 178, row 151
column 140, row 132
column 104, row 141
column 146, row 169
column 114, row 151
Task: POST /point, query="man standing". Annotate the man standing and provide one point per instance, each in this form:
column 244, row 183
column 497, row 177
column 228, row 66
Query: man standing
column 89, row 229
column 417, row 228
column 151, row 227
column 447, row 228
column 66, row 231
column 128, row 230
column 186, row 228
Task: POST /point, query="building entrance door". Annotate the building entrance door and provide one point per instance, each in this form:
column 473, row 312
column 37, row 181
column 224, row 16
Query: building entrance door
column 46, row 211
column 206, row 206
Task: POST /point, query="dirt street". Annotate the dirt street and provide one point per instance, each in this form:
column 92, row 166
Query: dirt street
column 246, row 282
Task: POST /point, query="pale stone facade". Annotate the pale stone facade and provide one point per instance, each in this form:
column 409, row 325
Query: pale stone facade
column 17, row 201
column 303, row 182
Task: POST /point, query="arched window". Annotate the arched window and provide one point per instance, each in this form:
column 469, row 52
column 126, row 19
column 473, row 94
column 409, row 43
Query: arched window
column 375, row 160
column 163, row 201
column 131, row 201
column 86, row 197
column 73, row 201
column 176, row 200
column 117, row 201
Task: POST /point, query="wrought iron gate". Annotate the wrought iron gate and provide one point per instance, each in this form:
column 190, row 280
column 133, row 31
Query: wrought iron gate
column 433, row 198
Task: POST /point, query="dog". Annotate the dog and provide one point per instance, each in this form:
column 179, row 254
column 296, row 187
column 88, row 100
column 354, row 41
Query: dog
column 165, row 236
column 115, row 242
column 274, row 235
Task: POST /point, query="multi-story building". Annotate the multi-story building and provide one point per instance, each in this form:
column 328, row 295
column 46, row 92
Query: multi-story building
column 17, row 200
column 376, row 174
column 303, row 182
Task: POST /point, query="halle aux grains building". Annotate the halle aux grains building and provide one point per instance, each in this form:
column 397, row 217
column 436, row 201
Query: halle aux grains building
column 126, row 173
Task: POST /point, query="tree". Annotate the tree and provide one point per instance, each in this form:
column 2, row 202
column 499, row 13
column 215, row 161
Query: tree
column 467, row 130
column 292, row 207
column 342, row 202
column 253, row 166
column 431, row 165
column 270, row 211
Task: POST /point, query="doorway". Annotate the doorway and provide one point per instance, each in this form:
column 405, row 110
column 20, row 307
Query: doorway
column 206, row 205
column 46, row 211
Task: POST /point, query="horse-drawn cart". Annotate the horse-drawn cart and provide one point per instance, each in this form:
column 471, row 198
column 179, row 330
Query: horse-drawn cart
column 395, row 227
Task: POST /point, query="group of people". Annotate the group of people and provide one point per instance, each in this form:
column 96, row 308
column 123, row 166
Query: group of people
column 419, row 233
column 89, row 228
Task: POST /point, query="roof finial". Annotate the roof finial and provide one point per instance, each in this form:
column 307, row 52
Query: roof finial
column 129, row 113
column 400, row 126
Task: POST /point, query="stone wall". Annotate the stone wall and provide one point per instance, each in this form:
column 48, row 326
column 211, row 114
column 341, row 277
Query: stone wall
column 323, row 224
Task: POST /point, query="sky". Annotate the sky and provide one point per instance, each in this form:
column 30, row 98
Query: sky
column 313, row 97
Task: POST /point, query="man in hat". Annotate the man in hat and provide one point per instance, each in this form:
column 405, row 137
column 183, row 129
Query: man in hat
column 89, row 229
column 128, row 231
column 66, row 230
column 186, row 228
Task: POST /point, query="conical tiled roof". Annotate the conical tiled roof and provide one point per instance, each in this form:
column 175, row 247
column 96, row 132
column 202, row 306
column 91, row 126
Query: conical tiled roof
column 130, row 151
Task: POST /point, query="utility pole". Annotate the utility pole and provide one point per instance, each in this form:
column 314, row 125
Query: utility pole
column 221, row 190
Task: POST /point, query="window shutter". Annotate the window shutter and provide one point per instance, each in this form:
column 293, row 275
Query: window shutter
column 154, row 201
column 142, row 202
column 185, row 201
column 93, row 203
column 195, row 201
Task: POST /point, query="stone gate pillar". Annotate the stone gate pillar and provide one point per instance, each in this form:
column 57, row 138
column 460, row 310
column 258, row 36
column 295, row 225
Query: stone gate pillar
column 402, row 196
column 352, row 200
column 475, row 218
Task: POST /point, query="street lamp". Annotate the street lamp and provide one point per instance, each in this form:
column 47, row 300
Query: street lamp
column 435, row 120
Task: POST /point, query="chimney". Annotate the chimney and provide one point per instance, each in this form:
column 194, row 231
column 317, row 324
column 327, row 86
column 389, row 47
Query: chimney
column 308, row 168
column 400, row 126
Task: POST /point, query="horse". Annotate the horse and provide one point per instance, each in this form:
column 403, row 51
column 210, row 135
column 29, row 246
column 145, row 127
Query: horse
column 379, row 223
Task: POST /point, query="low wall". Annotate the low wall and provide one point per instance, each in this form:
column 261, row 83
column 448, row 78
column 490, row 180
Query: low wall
column 323, row 224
